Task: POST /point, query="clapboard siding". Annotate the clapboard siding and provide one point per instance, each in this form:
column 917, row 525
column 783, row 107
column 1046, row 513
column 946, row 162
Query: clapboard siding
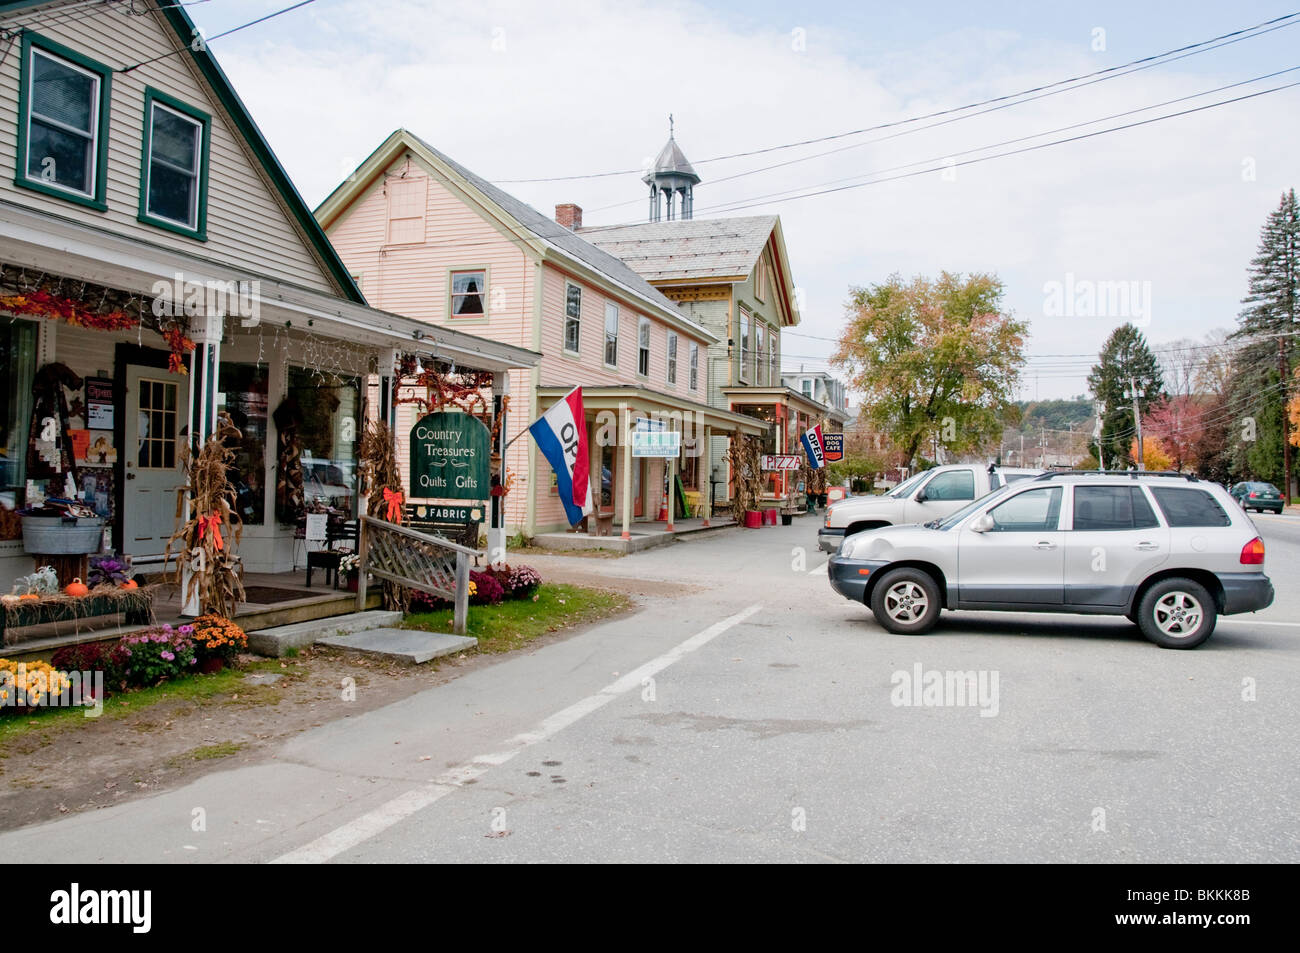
column 247, row 225
column 559, row 368
column 411, row 278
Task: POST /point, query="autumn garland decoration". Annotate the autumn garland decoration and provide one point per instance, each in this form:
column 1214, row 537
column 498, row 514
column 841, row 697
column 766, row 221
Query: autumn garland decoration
column 43, row 304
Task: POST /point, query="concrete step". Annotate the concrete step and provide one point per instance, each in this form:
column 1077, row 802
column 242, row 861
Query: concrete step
column 276, row 641
column 408, row 645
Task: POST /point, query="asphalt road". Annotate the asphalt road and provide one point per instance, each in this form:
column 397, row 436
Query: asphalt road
column 756, row 721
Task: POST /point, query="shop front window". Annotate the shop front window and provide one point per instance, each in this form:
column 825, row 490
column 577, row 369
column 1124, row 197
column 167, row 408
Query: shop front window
column 244, row 395
column 18, row 364
column 330, row 408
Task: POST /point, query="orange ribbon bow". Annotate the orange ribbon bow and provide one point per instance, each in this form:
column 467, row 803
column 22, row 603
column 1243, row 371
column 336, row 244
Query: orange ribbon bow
column 394, row 500
column 213, row 523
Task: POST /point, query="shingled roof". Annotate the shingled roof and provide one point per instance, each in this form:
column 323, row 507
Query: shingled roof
column 689, row 249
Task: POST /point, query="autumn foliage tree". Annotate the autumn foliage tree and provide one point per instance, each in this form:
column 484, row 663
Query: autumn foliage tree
column 933, row 358
column 1177, row 425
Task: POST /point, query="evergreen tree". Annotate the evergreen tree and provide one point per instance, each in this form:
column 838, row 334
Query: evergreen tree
column 1270, row 313
column 1125, row 361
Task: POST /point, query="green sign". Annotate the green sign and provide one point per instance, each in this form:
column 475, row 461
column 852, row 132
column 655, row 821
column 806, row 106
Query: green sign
column 449, row 457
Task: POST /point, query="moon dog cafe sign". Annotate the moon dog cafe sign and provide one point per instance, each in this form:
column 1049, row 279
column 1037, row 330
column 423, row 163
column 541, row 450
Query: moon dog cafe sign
column 449, row 457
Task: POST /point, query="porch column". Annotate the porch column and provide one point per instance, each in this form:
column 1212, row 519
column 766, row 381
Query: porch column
column 706, row 492
column 625, row 429
column 205, row 364
column 496, row 534
column 387, row 372
column 671, row 466
column 595, row 479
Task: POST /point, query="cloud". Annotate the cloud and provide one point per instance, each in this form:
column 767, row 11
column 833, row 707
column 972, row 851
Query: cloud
column 564, row 88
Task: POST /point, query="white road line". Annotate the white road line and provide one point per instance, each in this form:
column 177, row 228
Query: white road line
column 1231, row 620
column 411, row 802
column 820, row 572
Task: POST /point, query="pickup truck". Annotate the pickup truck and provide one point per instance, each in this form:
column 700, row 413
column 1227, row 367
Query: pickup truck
column 930, row 494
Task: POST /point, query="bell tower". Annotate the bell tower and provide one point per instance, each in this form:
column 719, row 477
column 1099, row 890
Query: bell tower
column 673, row 179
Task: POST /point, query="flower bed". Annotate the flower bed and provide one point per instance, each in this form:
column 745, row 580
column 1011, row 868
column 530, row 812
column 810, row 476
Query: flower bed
column 492, row 586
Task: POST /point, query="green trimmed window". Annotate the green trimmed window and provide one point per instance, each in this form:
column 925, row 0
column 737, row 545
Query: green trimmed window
column 174, row 165
column 62, row 122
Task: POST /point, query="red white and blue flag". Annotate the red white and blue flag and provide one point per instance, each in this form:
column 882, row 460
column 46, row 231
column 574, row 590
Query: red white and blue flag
column 813, row 446
column 561, row 435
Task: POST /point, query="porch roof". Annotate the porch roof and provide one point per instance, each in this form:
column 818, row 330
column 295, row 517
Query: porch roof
column 777, row 395
column 45, row 242
column 644, row 400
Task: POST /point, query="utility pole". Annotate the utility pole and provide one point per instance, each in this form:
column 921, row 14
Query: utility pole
column 1286, row 435
column 1137, row 422
column 1100, row 408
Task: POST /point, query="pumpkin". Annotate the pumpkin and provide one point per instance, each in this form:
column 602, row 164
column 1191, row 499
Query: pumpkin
column 28, row 597
column 130, row 584
column 76, row 588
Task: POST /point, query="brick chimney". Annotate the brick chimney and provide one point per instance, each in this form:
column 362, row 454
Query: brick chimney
column 569, row 215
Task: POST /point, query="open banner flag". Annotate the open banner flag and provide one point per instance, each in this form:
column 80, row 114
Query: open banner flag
column 813, row 446
column 561, row 435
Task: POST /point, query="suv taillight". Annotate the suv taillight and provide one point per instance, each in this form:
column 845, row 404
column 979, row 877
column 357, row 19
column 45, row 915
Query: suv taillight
column 1252, row 554
column 1253, row 495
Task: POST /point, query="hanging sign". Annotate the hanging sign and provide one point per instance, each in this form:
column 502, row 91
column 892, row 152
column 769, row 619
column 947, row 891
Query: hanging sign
column 779, row 461
column 449, row 457
column 656, row 443
column 833, row 446
column 99, row 403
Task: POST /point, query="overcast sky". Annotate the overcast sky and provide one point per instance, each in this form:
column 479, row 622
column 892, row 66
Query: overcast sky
column 563, row 88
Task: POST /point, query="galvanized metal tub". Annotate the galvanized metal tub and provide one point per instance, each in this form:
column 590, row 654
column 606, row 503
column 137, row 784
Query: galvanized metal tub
column 55, row 536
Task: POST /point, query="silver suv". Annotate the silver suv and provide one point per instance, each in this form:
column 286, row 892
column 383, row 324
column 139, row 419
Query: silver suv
column 1166, row 550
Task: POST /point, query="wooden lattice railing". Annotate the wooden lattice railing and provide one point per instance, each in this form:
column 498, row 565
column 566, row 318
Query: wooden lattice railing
column 415, row 560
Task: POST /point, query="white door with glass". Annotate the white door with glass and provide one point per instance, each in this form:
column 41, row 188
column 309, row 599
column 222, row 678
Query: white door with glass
column 157, row 411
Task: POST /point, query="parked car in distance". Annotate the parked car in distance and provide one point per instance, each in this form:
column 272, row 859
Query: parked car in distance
column 1169, row 552
column 1258, row 496
column 927, row 495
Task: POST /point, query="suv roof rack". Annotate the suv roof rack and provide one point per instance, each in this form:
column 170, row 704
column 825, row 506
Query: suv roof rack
column 1134, row 474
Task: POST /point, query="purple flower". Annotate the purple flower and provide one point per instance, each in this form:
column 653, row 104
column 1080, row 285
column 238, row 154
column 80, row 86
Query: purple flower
column 169, row 656
column 187, row 630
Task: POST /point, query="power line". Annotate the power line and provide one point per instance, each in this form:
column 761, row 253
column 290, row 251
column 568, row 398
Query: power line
column 1235, row 36
column 1013, row 152
column 1006, row 142
column 206, row 40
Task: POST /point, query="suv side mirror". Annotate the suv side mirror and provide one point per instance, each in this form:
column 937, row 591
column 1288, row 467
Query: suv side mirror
column 982, row 524
column 920, row 496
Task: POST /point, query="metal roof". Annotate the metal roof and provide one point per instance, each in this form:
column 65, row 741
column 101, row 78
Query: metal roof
column 688, row 249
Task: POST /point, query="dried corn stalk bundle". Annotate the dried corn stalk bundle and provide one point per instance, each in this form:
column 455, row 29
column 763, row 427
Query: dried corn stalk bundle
column 207, row 539
column 746, row 477
column 814, row 480
column 381, row 482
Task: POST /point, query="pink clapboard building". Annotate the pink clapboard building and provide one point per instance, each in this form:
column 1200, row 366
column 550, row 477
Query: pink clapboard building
column 426, row 238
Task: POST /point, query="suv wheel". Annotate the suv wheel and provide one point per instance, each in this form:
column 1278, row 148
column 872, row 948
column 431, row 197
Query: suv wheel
column 906, row 601
column 1177, row 614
